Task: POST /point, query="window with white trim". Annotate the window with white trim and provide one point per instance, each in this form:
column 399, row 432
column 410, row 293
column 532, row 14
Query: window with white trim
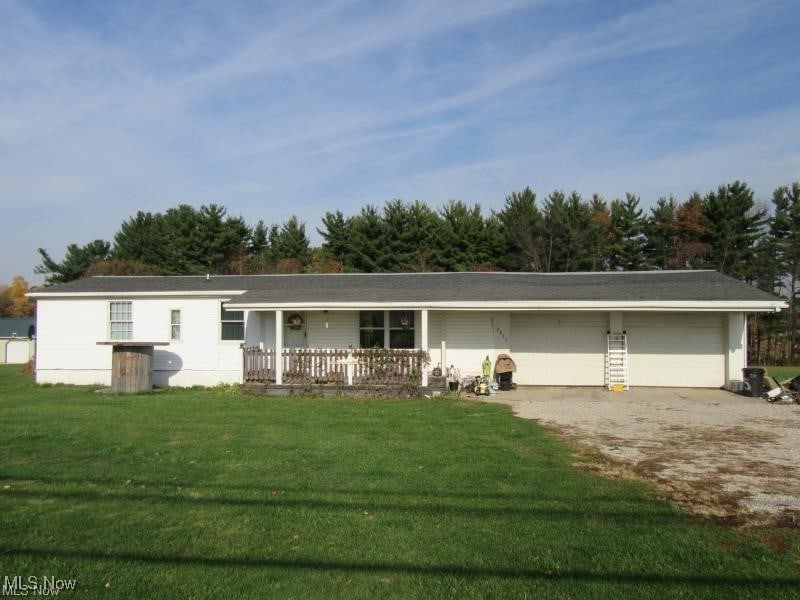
column 120, row 320
column 175, row 324
column 401, row 329
column 370, row 325
column 376, row 327
column 231, row 324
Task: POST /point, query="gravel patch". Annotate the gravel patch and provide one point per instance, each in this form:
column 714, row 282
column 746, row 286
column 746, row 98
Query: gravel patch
column 713, row 452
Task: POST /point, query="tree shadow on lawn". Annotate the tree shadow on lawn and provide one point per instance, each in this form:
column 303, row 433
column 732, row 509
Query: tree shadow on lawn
column 409, row 568
column 282, row 488
column 427, row 505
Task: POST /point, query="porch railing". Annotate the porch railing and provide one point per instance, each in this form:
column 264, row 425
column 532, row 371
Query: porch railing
column 340, row 366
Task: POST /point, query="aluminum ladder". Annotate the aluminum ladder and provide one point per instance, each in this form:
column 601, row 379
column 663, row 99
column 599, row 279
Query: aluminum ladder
column 617, row 361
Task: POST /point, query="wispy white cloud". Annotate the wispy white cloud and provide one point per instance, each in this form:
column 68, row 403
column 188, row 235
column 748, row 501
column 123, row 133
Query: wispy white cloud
column 274, row 109
column 344, row 29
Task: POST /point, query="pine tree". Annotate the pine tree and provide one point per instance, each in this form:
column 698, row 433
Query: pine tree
column 367, row 250
column 732, row 226
column 785, row 234
column 398, row 236
column 258, row 240
column 554, row 233
column 627, row 249
column 140, row 238
column 468, row 242
column 336, row 235
column 223, row 240
column 76, row 261
column 600, row 234
column 520, row 223
column 662, row 233
column 290, row 242
column 179, row 230
column 423, row 238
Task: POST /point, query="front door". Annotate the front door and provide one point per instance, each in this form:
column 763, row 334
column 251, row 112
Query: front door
column 294, row 330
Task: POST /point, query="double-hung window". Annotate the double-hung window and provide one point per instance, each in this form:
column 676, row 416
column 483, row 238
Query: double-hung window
column 120, row 320
column 175, row 325
column 231, row 324
column 370, row 328
column 401, row 329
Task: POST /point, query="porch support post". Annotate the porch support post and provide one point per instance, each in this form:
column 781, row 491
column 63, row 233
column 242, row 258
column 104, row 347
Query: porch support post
column 736, row 355
column 424, row 342
column 278, row 347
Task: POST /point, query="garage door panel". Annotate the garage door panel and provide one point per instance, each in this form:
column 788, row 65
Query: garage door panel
column 676, row 350
column 559, row 349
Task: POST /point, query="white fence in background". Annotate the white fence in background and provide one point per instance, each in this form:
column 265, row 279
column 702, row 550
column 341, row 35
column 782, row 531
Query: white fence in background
column 16, row 351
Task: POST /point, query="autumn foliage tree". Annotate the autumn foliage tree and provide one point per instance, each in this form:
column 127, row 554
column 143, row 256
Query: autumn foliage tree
column 13, row 301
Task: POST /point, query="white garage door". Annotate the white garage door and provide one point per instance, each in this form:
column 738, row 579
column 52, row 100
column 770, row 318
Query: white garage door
column 559, row 348
column 684, row 350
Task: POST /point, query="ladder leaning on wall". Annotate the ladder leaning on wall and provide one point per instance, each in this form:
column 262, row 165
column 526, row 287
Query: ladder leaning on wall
column 617, row 361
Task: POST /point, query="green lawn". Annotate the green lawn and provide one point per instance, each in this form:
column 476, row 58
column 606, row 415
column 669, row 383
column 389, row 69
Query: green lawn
column 212, row 494
column 782, row 373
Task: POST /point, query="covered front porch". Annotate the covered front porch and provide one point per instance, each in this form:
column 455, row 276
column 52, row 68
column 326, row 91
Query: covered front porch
column 374, row 347
column 335, row 366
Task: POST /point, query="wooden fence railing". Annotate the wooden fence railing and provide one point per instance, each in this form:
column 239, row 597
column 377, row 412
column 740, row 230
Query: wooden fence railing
column 341, row 366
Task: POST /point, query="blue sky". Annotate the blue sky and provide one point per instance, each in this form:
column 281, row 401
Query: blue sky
column 274, row 109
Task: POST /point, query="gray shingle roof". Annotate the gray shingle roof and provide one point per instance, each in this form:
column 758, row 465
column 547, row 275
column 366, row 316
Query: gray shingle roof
column 440, row 287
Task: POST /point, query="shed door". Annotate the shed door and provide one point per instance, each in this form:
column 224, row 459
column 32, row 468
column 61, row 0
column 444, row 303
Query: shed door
column 559, row 348
column 675, row 349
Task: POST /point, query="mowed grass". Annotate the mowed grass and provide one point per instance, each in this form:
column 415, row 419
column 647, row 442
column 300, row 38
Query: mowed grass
column 208, row 493
column 782, row 373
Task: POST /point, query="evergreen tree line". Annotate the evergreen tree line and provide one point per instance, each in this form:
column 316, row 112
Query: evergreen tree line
column 725, row 230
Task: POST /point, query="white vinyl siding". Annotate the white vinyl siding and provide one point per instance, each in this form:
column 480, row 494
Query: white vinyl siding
column 435, row 336
column 470, row 337
column 559, row 348
column 334, row 329
column 568, row 348
column 675, row 349
column 69, row 329
column 253, row 326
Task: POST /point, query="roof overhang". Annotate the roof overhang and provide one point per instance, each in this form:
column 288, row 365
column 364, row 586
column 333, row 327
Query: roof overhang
column 222, row 294
column 229, row 296
column 560, row 305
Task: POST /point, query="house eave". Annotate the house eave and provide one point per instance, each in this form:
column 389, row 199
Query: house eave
column 221, row 294
column 527, row 305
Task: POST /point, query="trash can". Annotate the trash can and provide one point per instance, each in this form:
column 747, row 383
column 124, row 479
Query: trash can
column 753, row 381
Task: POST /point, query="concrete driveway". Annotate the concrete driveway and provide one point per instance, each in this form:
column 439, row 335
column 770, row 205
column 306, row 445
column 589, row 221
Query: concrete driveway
column 714, row 452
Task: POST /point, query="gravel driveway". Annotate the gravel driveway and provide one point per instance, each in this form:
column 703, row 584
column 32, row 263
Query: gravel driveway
column 714, row 452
